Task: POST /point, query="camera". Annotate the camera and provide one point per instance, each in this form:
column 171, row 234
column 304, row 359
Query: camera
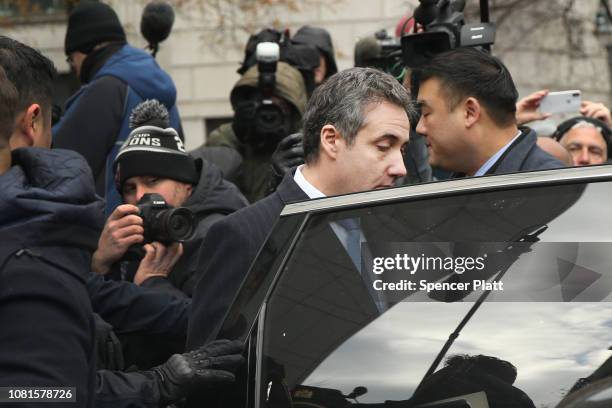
column 445, row 29
column 303, row 57
column 381, row 51
column 262, row 118
column 268, row 115
column 163, row 223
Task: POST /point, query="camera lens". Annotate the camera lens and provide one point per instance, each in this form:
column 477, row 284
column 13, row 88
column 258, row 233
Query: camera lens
column 172, row 225
column 269, row 118
column 179, row 224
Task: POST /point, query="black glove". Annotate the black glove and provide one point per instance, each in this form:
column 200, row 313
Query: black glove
column 108, row 346
column 213, row 363
column 288, row 154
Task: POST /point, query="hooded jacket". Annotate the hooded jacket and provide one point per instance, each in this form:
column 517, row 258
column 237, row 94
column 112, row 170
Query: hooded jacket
column 95, row 123
column 50, row 219
column 212, row 199
column 319, row 38
column 253, row 171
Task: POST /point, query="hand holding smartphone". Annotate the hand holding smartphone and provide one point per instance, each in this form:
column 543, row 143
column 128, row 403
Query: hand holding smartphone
column 561, row 102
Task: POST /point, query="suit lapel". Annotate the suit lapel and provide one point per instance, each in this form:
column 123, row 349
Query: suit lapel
column 289, row 191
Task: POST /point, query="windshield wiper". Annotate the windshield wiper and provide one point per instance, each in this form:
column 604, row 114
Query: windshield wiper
column 511, row 253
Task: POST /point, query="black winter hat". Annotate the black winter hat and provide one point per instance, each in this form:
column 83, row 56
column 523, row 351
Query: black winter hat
column 153, row 148
column 89, row 24
column 153, row 151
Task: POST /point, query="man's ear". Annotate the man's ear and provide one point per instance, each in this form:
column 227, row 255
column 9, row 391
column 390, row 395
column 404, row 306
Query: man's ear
column 189, row 189
column 330, row 139
column 473, row 110
column 28, row 125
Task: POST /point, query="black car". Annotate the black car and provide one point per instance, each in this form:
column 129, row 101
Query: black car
column 535, row 330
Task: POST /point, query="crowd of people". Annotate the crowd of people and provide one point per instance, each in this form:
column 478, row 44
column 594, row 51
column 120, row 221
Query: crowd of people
column 131, row 318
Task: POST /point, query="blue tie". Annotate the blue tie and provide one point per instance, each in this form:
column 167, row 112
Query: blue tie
column 352, row 226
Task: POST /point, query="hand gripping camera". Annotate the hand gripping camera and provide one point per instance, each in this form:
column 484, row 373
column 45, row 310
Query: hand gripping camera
column 163, row 223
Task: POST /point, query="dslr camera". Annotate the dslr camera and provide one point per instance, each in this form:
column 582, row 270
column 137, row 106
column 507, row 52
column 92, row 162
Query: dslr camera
column 164, row 223
column 445, row 29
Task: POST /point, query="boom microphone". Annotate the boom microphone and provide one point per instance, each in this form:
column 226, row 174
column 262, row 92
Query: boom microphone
column 156, row 23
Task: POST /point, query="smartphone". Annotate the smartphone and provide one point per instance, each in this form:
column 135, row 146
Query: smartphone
column 562, row 101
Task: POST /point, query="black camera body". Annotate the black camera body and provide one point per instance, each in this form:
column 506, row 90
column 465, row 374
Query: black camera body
column 163, row 223
column 445, row 29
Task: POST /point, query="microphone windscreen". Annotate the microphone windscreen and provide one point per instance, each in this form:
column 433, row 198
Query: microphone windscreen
column 156, row 22
column 150, row 112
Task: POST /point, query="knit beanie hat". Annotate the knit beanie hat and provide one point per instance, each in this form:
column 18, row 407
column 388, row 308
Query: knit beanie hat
column 89, row 24
column 153, row 148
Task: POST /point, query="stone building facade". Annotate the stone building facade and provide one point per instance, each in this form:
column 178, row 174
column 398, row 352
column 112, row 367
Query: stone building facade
column 546, row 44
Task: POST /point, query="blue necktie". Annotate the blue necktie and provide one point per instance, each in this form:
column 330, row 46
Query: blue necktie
column 352, row 226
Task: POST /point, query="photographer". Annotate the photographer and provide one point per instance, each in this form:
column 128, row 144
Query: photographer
column 50, row 226
column 586, row 138
column 256, row 135
column 153, row 160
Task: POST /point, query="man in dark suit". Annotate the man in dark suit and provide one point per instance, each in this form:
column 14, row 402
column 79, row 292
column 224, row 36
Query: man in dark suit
column 468, row 104
column 355, row 127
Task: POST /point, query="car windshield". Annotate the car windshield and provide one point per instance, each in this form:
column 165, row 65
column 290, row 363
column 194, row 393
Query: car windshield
column 332, row 325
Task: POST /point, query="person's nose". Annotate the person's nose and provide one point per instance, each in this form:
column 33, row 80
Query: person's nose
column 583, row 159
column 140, row 191
column 397, row 167
column 421, row 127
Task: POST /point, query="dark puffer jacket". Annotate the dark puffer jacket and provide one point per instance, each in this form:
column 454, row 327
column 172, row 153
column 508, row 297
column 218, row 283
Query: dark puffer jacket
column 50, row 220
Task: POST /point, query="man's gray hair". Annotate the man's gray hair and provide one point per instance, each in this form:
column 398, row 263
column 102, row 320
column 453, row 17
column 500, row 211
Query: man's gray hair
column 342, row 100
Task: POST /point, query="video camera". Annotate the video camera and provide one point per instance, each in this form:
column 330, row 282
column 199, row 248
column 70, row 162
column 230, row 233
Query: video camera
column 381, row 51
column 445, row 29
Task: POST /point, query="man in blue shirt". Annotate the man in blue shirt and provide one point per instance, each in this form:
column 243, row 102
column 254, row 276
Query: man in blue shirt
column 468, row 104
column 115, row 77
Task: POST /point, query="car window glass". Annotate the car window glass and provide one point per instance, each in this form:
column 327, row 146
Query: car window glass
column 327, row 331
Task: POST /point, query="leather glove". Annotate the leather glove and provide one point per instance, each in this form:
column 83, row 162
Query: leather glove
column 213, row 363
column 288, row 154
